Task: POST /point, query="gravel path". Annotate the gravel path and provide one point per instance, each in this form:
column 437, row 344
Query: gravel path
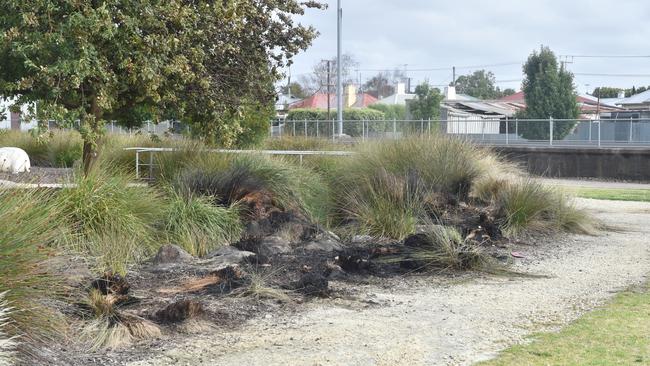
column 422, row 321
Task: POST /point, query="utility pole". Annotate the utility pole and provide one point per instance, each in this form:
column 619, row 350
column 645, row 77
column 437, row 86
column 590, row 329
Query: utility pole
column 339, row 68
column 453, row 82
column 329, row 89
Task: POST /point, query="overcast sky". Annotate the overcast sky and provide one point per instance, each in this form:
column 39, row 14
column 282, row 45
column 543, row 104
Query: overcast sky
column 387, row 34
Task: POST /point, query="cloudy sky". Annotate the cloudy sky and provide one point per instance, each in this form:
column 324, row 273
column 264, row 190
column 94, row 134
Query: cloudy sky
column 432, row 34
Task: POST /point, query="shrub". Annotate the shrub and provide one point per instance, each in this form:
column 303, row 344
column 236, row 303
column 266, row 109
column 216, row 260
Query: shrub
column 391, row 112
column 112, row 222
column 352, row 127
column 198, row 226
column 29, row 225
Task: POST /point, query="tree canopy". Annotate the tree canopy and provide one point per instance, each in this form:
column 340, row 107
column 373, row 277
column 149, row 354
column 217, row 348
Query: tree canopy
column 202, row 62
column 427, row 102
column 549, row 92
column 383, row 84
column 480, row 84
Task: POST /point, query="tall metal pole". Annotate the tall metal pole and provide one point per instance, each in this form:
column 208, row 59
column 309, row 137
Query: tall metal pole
column 339, row 67
column 329, row 89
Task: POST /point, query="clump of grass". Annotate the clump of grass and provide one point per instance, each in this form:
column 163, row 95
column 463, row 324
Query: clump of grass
column 8, row 344
column 384, row 205
column 302, row 143
column 528, row 205
column 441, row 164
column 58, row 149
column 111, row 329
column 112, row 221
column 258, row 288
column 197, row 225
column 29, row 223
column 230, row 178
column 443, row 248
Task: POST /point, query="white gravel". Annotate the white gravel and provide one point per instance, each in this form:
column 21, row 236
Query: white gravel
column 421, row 321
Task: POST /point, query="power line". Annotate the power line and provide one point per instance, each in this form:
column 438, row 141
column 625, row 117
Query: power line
column 448, row 67
column 613, row 75
column 606, row 56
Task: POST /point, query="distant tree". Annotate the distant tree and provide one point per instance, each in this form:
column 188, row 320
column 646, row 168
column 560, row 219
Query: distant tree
column 96, row 61
column 634, row 91
column 550, row 92
column 297, row 90
column 426, row 103
column 383, row 84
column 606, row 92
column 508, row 92
column 317, row 79
column 480, row 84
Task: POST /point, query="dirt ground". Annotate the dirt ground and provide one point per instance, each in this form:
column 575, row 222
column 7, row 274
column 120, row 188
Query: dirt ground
column 438, row 321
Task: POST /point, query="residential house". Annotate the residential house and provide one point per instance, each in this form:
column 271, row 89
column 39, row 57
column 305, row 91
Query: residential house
column 464, row 114
column 401, row 96
column 352, row 98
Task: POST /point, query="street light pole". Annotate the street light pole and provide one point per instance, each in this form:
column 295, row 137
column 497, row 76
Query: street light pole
column 339, row 68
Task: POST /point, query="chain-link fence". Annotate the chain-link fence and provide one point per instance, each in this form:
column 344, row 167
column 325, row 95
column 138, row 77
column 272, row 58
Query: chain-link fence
column 496, row 131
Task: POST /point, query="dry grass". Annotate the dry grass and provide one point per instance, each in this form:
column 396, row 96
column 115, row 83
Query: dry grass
column 110, row 329
column 8, row 343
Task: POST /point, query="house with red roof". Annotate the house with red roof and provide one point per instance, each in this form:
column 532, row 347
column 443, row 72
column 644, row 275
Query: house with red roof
column 352, row 99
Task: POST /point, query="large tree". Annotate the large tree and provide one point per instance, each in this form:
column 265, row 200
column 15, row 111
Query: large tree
column 480, row 84
column 549, row 93
column 426, row 104
column 316, row 81
column 203, row 62
column 383, row 84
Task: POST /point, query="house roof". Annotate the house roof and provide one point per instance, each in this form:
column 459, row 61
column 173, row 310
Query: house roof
column 587, row 103
column 319, row 101
column 641, row 98
column 396, row 99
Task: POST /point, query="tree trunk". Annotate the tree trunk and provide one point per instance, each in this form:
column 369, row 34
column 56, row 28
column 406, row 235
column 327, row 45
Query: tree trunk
column 91, row 141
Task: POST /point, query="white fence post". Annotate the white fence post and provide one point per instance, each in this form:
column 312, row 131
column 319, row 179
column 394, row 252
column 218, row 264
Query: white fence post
column 550, row 127
column 507, row 130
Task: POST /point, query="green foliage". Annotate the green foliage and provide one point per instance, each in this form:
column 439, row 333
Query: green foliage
column 112, row 222
column 384, row 205
column 29, row 226
column 528, row 205
column 609, row 92
column 427, row 103
column 135, row 60
column 387, row 187
column 230, row 178
column 47, row 149
column 443, row 248
column 198, row 226
column 351, row 127
column 302, row 143
column 480, row 84
column 255, row 124
column 391, row 112
column 549, row 93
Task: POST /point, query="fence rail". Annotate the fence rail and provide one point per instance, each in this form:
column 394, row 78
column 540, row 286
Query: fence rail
column 624, row 132
column 151, row 151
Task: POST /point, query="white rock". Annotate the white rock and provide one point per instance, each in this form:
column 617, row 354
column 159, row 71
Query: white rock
column 14, row 160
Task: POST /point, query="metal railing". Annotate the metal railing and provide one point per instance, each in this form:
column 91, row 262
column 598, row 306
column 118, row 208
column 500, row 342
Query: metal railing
column 150, row 164
column 621, row 132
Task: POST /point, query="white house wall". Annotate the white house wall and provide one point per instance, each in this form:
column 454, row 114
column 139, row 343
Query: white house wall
column 473, row 126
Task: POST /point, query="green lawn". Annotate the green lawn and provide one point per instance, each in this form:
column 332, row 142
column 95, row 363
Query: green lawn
column 617, row 334
column 641, row 195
